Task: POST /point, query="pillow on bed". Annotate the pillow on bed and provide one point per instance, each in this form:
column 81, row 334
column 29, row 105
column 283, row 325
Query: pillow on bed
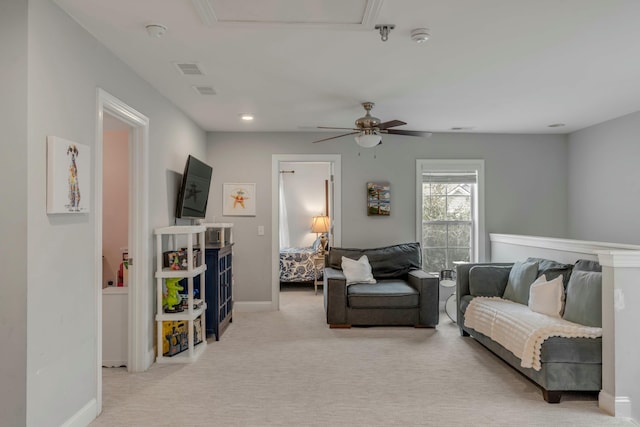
column 546, row 297
column 316, row 244
column 357, row 271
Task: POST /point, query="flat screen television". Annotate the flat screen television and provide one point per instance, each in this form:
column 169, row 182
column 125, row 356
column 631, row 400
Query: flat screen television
column 194, row 189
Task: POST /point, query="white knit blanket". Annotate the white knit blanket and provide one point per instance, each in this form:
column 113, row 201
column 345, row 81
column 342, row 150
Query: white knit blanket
column 520, row 330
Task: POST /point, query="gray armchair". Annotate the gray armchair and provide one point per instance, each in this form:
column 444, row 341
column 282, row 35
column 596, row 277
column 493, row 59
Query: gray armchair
column 403, row 294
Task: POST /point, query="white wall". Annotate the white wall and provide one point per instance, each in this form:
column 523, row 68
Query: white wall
column 305, row 198
column 65, row 67
column 526, row 190
column 115, row 202
column 604, row 181
column 13, row 214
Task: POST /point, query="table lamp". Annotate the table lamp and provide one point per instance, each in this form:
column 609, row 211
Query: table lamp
column 320, row 224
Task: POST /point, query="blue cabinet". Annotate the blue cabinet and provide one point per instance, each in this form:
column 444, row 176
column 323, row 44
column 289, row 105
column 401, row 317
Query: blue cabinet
column 219, row 291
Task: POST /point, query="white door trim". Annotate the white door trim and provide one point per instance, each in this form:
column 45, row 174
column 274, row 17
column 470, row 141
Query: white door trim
column 336, row 170
column 139, row 236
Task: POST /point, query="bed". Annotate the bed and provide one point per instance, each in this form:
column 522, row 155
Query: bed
column 296, row 264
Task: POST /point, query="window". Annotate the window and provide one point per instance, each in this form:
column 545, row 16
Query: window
column 449, row 214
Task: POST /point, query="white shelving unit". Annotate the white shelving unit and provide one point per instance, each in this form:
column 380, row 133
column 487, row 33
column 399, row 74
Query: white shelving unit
column 194, row 235
column 219, row 233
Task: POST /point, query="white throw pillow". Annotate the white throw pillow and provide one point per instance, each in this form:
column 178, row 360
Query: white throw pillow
column 546, row 297
column 357, row 271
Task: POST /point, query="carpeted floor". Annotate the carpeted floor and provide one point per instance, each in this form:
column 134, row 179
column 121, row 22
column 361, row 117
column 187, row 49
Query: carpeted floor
column 288, row 368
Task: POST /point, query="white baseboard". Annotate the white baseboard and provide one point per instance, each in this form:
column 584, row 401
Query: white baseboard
column 113, row 363
column 84, row 416
column 606, row 403
column 151, row 357
column 618, row 406
column 252, row 306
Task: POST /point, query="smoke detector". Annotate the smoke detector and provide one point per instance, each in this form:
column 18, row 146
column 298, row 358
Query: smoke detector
column 155, row 30
column 420, row 35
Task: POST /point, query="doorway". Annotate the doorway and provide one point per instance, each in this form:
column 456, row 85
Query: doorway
column 283, row 162
column 138, row 300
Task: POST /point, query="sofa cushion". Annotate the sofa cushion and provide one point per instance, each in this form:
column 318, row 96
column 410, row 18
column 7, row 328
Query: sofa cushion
column 465, row 300
column 386, row 262
column 546, row 297
column 521, row 276
column 488, row 280
column 384, row 294
column 584, row 298
column 357, row 271
column 587, row 265
column 552, row 269
column 571, row 350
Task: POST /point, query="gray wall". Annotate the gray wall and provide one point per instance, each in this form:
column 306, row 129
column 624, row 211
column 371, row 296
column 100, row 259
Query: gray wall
column 13, row 214
column 525, row 175
column 604, row 181
column 65, row 67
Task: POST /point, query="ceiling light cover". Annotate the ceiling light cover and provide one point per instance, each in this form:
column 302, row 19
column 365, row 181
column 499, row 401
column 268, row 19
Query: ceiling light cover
column 420, row 35
column 246, row 117
column 156, row 30
column 368, row 140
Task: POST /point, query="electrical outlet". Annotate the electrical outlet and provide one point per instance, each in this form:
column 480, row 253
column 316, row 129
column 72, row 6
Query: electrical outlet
column 261, row 230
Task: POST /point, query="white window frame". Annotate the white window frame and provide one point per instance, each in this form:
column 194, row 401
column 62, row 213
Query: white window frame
column 478, row 253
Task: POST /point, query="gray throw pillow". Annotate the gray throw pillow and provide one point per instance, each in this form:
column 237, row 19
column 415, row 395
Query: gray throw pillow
column 488, row 280
column 587, row 265
column 521, row 276
column 552, row 269
column 583, row 303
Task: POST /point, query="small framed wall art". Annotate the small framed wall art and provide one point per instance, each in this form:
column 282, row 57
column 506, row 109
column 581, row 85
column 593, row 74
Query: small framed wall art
column 239, row 199
column 68, row 176
column 378, row 199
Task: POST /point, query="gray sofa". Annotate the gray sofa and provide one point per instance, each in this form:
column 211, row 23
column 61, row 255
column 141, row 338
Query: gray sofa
column 403, row 294
column 568, row 364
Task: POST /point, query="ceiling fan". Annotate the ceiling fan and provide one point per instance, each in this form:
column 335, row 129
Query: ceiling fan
column 369, row 129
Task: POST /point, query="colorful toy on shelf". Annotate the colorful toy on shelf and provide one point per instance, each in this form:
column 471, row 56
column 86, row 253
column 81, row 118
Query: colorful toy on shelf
column 171, row 300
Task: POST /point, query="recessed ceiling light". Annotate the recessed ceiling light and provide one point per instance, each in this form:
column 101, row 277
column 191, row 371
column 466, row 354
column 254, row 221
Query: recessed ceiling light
column 246, row 117
column 462, row 128
column 557, row 125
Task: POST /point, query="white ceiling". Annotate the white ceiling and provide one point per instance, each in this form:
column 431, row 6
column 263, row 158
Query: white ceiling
column 506, row 66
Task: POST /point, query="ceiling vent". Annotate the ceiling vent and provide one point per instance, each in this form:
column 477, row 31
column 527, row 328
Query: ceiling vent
column 189, row 68
column 204, row 90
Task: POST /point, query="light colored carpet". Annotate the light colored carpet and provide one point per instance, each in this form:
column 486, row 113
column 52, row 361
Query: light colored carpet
column 288, row 368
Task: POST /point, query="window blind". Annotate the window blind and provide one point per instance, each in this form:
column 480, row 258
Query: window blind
column 470, row 177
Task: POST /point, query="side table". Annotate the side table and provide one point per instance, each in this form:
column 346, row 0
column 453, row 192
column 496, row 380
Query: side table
column 318, row 265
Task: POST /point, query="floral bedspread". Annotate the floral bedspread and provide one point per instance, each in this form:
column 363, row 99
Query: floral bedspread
column 296, row 265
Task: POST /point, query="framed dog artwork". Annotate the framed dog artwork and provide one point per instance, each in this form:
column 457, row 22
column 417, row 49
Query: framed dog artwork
column 68, row 176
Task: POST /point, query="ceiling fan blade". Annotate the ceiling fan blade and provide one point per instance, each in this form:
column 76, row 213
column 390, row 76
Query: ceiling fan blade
column 391, row 124
column 408, row 132
column 334, row 137
column 329, row 127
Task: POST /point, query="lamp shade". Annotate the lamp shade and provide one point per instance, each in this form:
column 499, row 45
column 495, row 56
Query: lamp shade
column 368, row 140
column 320, row 224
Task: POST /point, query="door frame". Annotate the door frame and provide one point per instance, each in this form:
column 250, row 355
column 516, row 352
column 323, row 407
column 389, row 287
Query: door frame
column 336, row 170
column 139, row 236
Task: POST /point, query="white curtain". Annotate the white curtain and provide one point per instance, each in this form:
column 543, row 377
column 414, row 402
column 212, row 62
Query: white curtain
column 284, row 219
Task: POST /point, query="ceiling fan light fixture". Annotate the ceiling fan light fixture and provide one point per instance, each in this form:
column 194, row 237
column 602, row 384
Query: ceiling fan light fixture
column 420, row 35
column 368, row 139
column 385, row 29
